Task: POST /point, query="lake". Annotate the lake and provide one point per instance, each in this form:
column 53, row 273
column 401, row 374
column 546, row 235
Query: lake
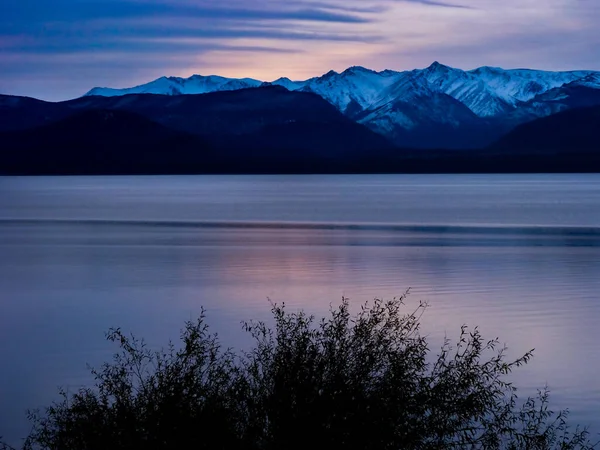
column 516, row 255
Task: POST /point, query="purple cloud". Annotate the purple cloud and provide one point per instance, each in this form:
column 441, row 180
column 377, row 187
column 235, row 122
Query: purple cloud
column 436, row 3
column 58, row 49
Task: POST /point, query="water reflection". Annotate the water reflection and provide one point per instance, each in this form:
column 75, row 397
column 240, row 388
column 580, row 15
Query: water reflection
column 64, row 281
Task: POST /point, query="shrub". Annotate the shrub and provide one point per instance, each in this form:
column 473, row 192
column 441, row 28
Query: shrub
column 362, row 381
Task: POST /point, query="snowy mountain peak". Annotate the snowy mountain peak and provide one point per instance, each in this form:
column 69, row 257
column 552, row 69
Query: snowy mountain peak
column 438, row 70
column 436, row 66
column 331, row 73
column 358, row 69
column 486, row 91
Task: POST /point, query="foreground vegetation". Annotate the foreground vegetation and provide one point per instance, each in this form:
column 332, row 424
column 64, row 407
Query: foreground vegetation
column 363, row 381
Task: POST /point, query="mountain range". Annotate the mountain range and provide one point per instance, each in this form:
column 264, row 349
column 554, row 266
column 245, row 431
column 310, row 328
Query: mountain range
column 437, row 119
column 438, row 106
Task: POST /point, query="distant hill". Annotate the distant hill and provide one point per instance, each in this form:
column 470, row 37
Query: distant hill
column 219, row 113
column 22, row 113
column 227, row 112
column 97, row 141
column 266, row 129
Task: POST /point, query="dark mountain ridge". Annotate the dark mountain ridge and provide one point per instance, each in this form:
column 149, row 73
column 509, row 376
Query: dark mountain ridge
column 96, row 141
column 264, row 129
column 270, row 129
column 571, row 131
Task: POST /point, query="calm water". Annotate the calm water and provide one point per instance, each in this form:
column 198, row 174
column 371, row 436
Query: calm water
column 517, row 255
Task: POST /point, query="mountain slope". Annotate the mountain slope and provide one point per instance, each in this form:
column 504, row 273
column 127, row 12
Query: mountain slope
column 420, row 116
column 515, row 86
column 465, row 87
column 354, row 90
column 260, row 130
column 403, row 106
column 96, row 141
column 570, row 132
column 21, row 113
column 120, row 142
column 578, row 94
column 228, row 113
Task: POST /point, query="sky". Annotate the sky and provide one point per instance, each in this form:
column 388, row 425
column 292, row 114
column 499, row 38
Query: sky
column 59, row 49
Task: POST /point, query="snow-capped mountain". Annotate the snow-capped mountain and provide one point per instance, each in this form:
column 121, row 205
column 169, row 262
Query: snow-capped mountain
column 581, row 93
column 391, row 102
column 353, row 90
column 491, row 91
column 409, row 103
column 521, row 85
column 487, row 91
column 462, row 86
column 196, row 84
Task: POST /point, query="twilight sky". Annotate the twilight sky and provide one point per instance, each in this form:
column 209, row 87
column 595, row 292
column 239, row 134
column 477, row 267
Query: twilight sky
column 59, row 49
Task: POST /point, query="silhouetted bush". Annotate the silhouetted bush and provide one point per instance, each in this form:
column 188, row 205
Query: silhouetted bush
column 362, row 381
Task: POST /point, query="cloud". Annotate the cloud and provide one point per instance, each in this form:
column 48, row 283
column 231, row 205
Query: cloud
column 170, row 39
column 374, row 8
column 442, row 4
column 61, row 48
column 553, row 35
column 32, row 13
column 148, row 46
